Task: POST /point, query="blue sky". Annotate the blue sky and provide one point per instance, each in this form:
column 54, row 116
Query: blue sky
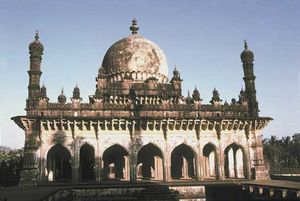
column 203, row 39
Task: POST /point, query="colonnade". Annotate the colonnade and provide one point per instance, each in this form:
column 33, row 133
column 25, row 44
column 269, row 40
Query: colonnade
column 148, row 163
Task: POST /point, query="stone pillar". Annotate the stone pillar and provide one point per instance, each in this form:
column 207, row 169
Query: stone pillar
column 101, row 169
column 167, row 162
column 197, row 168
column 260, row 171
column 200, row 164
column 219, row 172
column 126, row 173
column 133, row 164
column 75, row 163
column 98, row 162
column 221, row 161
column 235, row 164
column 29, row 171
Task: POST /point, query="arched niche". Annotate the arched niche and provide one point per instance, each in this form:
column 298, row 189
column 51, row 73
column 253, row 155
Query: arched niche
column 236, row 162
column 150, row 163
column 59, row 164
column 183, row 162
column 116, row 163
column 210, row 161
column 87, row 163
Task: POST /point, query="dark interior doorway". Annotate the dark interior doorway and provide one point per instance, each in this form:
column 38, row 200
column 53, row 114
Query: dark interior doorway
column 59, row 164
column 87, row 163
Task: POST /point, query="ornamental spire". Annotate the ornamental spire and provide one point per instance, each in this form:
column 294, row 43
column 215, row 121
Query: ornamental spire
column 245, row 44
column 134, row 27
column 36, row 37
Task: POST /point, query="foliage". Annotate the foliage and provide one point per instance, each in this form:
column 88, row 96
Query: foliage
column 10, row 164
column 282, row 153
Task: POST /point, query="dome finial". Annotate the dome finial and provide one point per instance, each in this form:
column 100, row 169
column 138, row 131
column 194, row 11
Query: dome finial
column 134, row 27
column 245, row 44
column 36, row 35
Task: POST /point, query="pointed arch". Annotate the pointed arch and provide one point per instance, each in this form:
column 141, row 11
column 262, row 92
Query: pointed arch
column 150, row 163
column 236, row 161
column 87, row 162
column 183, row 162
column 59, row 164
column 116, row 163
column 211, row 162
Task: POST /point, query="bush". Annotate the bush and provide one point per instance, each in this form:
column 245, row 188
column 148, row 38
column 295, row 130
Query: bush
column 10, row 165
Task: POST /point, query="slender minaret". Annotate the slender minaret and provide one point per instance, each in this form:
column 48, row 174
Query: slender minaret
column 247, row 58
column 36, row 49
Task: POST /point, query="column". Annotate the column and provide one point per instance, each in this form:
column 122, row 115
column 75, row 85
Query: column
column 200, row 164
column 75, row 163
column 133, row 159
column 98, row 162
column 221, row 162
column 167, row 163
column 29, row 171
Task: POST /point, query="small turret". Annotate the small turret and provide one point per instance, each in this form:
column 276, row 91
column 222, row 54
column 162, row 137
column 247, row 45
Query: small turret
column 189, row 99
column 176, row 80
column 242, row 97
column 43, row 101
column 196, row 94
column 233, row 101
column 44, row 93
column 76, row 93
column 176, row 75
column 101, row 80
column 216, row 97
column 101, row 73
column 62, row 99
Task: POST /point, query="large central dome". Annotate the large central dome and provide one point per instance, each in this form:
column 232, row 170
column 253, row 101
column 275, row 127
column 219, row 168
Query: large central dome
column 135, row 56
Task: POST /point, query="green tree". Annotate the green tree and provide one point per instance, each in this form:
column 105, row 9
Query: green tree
column 282, row 153
column 10, row 164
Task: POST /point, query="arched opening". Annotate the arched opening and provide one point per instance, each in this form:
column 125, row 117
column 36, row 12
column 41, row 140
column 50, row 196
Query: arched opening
column 149, row 163
column 210, row 161
column 87, row 163
column 59, row 164
column 183, row 163
column 116, row 164
column 235, row 162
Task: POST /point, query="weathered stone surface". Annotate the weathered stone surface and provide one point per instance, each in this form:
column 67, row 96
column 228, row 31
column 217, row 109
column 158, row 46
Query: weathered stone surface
column 138, row 126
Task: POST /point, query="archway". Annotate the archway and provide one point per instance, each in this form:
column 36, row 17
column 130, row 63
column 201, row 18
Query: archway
column 150, row 163
column 235, row 162
column 210, row 161
column 59, row 164
column 87, row 163
column 116, row 164
column 183, row 163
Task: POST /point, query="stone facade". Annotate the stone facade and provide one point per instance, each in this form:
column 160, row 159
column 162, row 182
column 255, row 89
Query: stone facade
column 138, row 126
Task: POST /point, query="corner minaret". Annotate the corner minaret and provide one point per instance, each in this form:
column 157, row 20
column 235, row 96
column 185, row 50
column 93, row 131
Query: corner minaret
column 36, row 49
column 247, row 58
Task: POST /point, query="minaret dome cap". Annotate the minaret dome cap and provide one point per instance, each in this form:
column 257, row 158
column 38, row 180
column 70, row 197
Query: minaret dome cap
column 247, row 54
column 36, row 46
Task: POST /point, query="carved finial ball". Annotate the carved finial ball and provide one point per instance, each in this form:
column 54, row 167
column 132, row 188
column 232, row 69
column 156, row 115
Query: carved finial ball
column 36, row 37
column 134, row 27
